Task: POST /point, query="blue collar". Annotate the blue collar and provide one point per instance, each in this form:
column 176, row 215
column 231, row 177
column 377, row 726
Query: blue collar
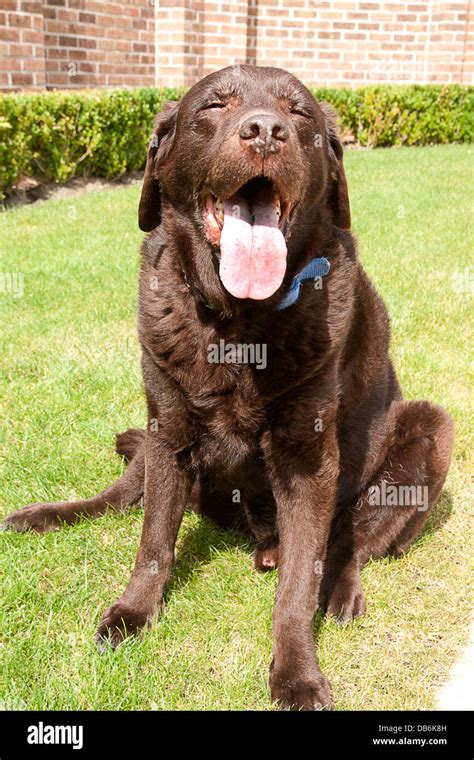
column 316, row 268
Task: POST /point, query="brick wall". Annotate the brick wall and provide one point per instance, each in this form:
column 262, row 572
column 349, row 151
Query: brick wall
column 77, row 43
column 21, row 44
column 334, row 42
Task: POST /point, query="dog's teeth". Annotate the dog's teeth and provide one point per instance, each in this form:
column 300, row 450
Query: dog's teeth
column 219, row 209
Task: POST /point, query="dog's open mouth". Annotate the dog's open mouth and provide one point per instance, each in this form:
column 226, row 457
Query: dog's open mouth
column 250, row 228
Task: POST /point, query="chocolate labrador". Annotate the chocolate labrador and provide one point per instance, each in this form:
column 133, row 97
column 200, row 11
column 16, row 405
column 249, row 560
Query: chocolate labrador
column 272, row 400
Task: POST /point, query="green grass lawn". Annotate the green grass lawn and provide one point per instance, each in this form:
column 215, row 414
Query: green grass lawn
column 70, row 378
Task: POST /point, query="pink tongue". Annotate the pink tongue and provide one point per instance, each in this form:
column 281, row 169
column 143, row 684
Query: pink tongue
column 253, row 256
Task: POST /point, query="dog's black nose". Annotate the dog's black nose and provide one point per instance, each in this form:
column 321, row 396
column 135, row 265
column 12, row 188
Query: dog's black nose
column 264, row 133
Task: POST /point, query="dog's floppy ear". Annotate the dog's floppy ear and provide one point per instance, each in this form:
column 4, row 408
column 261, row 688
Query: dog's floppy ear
column 149, row 210
column 339, row 198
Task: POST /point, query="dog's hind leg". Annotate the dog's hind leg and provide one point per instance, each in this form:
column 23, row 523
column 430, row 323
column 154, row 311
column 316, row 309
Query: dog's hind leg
column 391, row 511
column 125, row 492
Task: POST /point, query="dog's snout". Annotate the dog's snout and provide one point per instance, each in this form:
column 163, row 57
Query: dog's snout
column 264, row 132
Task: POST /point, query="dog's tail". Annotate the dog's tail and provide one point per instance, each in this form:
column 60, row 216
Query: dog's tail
column 127, row 444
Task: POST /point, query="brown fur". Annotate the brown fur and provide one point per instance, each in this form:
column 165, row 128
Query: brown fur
column 217, row 429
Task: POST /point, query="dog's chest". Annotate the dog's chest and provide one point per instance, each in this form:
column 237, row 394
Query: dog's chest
column 230, row 378
column 222, row 387
column 230, row 414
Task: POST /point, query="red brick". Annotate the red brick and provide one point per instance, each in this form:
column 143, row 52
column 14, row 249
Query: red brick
column 88, row 18
column 84, row 42
column 19, row 20
column 68, row 41
column 23, row 79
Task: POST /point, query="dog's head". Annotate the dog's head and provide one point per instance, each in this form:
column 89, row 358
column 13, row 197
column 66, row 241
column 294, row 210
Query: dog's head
column 249, row 156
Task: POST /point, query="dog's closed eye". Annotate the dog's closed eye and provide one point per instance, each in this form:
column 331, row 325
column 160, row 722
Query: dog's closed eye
column 215, row 104
column 297, row 111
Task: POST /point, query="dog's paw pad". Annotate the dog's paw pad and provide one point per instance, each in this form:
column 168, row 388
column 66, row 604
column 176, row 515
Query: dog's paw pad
column 266, row 559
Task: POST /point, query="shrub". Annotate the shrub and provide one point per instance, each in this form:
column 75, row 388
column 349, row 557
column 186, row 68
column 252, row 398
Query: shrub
column 386, row 115
column 54, row 136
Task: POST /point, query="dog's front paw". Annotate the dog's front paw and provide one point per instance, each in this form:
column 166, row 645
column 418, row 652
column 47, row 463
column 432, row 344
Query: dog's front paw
column 345, row 599
column 118, row 622
column 296, row 692
column 37, row 517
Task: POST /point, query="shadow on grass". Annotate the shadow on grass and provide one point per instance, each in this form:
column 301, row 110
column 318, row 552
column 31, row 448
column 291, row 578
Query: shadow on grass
column 197, row 550
column 206, row 537
column 439, row 514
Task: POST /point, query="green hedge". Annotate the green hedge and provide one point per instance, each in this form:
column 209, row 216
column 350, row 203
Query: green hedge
column 386, row 115
column 55, row 136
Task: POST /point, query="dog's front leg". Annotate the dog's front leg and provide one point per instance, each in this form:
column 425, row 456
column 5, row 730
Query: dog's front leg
column 303, row 477
column 167, row 488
